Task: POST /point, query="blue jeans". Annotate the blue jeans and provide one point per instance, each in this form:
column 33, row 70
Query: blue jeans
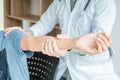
column 62, row 78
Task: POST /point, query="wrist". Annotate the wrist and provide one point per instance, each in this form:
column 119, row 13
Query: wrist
column 77, row 43
column 73, row 43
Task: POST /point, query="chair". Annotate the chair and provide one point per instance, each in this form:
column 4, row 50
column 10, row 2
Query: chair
column 42, row 67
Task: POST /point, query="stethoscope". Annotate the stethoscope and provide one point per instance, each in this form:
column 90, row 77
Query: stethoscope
column 82, row 12
column 85, row 5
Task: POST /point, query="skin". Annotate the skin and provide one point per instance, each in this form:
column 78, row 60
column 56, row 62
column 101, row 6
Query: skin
column 92, row 43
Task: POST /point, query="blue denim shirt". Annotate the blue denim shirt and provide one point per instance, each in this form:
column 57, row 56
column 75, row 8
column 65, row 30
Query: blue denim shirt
column 16, row 58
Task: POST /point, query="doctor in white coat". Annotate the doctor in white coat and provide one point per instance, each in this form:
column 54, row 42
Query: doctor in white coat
column 76, row 18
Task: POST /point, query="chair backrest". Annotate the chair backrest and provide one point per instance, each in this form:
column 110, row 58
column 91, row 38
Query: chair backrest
column 42, row 67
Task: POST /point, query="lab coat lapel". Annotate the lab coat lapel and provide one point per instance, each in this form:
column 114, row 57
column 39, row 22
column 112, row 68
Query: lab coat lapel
column 68, row 5
column 74, row 16
column 77, row 9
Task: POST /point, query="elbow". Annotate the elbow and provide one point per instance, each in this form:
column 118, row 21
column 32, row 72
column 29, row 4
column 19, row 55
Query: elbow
column 26, row 43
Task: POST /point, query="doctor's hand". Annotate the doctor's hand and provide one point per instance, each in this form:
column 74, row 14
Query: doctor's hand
column 50, row 47
column 9, row 29
column 93, row 43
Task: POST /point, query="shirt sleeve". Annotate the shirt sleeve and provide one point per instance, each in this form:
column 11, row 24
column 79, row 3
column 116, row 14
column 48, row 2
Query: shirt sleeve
column 1, row 40
column 104, row 16
column 13, row 39
column 47, row 21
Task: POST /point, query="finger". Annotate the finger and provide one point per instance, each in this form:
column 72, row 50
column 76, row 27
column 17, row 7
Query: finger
column 9, row 30
column 43, row 48
column 12, row 28
column 6, row 29
column 108, row 38
column 104, row 39
column 46, row 48
column 55, row 45
column 50, row 47
column 99, row 47
column 92, row 51
column 104, row 47
column 55, row 48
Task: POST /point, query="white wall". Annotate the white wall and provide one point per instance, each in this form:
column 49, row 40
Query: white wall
column 116, row 38
column 1, row 14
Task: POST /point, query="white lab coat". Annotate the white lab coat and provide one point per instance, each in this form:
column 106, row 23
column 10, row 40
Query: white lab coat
column 99, row 16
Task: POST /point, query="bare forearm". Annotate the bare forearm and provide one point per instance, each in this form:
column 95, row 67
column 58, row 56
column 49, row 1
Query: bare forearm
column 36, row 43
column 90, row 43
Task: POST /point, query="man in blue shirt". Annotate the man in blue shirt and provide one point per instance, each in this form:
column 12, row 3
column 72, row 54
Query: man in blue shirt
column 16, row 58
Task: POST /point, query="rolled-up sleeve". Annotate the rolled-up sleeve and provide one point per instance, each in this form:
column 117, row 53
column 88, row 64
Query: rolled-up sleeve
column 104, row 16
column 12, row 44
column 47, row 21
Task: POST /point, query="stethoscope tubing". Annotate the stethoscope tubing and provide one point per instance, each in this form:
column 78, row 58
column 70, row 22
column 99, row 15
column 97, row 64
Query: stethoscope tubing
column 85, row 5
